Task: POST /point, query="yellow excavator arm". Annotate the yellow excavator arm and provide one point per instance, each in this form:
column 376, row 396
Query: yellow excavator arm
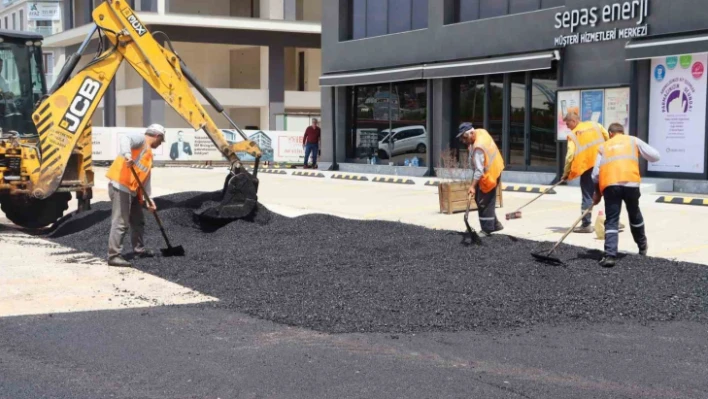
column 63, row 119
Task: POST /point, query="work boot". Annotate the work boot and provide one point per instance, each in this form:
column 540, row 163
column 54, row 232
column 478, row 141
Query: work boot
column 584, row 229
column 643, row 249
column 119, row 262
column 498, row 226
column 608, row 261
column 144, row 254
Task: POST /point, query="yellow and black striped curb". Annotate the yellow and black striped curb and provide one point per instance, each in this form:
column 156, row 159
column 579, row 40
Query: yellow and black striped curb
column 308, row 174
column 432, row 183
column 393, row 180
column 273, row 171
column 683, row 200
column 528, row 189
column 349, row 177
column 202, row 167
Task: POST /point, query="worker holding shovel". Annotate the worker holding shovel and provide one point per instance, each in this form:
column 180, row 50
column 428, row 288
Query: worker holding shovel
column 616, row 174
column 583, row 144
column 125, row 194
column 488, row 165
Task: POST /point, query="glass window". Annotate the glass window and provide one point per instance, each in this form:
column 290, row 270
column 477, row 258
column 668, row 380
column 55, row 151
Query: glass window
column 517, row 119
column 543, row 97
column 388, row 124
column 358, row 19
column 399, row 19
column 496, row 107
column 376, row 18
column 420, row 14
column 552, row 3
column 468, row 10
column 14, row 22
column 493, row 8
column 518, row 6
column 22, row 20
column 469, row 107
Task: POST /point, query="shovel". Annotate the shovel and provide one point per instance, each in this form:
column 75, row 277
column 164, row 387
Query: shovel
column 473, row 234
column 170, row 250
column 552, row 260
column 517, row 213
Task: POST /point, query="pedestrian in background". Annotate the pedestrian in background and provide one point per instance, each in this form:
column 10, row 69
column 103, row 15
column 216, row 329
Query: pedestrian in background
column 616, row 174
column 487, row 164
column 311, row 142
column 583, row 144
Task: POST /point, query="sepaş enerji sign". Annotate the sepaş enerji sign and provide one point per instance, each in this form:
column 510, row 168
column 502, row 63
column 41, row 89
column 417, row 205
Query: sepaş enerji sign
column 594, row 16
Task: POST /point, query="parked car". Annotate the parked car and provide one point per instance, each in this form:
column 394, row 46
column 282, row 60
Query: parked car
column 403, row 140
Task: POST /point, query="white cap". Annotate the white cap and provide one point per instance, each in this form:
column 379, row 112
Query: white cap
column 156, row 130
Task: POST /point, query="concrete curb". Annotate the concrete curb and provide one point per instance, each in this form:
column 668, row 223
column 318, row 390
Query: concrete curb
column 392, row 180
column 682, row 200
column 308, row 174
column 527, row 189
column 349, row 177
column 434, row 183
column 201, row 167
column 272, row 171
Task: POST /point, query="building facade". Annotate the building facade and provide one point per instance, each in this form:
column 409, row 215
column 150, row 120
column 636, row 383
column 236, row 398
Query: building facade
column 42, row 17
column 407, row 72
column 260, row 58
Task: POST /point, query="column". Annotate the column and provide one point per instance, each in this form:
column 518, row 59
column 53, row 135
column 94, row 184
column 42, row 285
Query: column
column 161, row 6
column 68, row 14
column 153, row 106
column 276, row 83
column 273, row 9
column 109, row 105
column 290, row 10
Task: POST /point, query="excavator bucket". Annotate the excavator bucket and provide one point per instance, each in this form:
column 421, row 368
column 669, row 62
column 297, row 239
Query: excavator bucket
column 239, row 200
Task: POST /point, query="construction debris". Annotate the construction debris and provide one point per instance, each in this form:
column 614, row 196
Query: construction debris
column 336, row 275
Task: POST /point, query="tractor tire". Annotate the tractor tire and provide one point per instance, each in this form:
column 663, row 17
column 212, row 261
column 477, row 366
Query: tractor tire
column 32, row 213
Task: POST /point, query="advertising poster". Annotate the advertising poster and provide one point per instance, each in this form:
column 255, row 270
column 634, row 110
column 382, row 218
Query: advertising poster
column 592, row 104
column 677, row 113
column 617, row 107
column 186, row 145
column 568, row 101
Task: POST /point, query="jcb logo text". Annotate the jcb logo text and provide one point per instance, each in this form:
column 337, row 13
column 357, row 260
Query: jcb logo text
column 80, row 105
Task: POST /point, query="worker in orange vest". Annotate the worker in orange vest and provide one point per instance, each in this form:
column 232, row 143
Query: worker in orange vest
column 616, row 174
column 583, row 144
column 487, row 163
column 126, row 198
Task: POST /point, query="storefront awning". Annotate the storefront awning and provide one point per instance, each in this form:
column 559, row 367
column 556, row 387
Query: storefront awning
column 372, row 77
column 525, row 62
column 641, row 49
column 487, row 66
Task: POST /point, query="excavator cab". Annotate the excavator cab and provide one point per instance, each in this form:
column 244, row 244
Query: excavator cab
column 22, row 83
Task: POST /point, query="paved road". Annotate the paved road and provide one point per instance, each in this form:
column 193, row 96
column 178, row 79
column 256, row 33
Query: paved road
column 198, row 352
column 70, row 327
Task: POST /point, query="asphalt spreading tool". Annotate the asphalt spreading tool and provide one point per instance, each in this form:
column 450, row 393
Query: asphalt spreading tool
column 170, row 250
column 474, row 237
column 517, row 213
column 552, row 260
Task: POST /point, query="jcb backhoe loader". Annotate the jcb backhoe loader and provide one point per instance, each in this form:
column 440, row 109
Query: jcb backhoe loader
column 47, row 156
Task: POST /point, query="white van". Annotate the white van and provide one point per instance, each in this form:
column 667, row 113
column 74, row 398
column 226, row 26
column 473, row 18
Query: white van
column 403, row 140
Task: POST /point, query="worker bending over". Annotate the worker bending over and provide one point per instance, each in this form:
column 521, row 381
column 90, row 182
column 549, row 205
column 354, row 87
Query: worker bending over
column 583, row 144
column 616, row 174
column 488, row 165
column 125, row 195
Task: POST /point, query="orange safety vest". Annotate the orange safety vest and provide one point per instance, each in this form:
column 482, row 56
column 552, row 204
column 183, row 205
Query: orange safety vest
column 587, row 137
column 620, row 161
column 493, row 162
column 121, row 174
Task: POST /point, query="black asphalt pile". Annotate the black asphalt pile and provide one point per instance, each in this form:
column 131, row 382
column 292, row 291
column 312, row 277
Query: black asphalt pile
column 338, row 275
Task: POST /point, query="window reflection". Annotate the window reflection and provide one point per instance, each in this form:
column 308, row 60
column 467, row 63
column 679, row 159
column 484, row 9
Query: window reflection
column 543, row 97
column 389, row 124
column 517, row 119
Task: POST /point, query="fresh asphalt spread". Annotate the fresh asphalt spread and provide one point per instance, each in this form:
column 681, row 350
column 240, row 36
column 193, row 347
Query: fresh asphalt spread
column 337, row 275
